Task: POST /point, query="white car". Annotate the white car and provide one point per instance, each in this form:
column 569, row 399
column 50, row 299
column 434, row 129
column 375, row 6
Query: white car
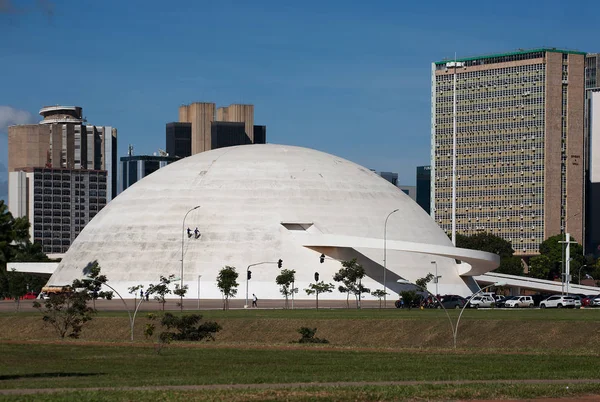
column 482, row 301
column 519, row 301
column 558, row 302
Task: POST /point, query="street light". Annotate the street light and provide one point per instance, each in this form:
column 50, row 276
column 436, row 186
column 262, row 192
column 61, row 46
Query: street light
column 497, row 284
column 584, row 265
column 182, row 233
column 279, row 263
column 436, row 278
column 384, row 256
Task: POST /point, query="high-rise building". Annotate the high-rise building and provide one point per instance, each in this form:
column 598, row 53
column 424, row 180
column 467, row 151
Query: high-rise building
column 135, row 167
column 179, row 139
column 211, row 127
column 424, row 187
column 59, row 202
column 592, row 153
column 519, row 145
column 55, row 159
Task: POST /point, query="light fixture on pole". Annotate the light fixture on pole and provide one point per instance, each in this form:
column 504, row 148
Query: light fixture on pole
column 437, row 278
column 182, row 239
column 384, row 257
column 579, row 276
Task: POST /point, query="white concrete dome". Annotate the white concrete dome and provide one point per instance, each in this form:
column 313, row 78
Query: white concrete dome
column 262, row 203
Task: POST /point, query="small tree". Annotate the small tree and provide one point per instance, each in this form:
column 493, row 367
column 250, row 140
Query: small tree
column 318, row 288
column 66, row 312
column 379, row 293
column 180, row 291
column 409, row 297
column 17, row 287
column 351, row 275
column 308, row 336
column 161, row 290
column 285, row 280
column 422, row 282
column 227, row 284
column 93, row 283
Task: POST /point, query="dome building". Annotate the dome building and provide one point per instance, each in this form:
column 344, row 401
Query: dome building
column 258, row 204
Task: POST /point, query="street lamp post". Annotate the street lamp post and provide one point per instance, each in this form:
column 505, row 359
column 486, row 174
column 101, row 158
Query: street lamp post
column 182, row 239
column 497, row 284
column 437, row 278
column 384, row 257
column 199, row 276
column 584, row 265
column 248, row 269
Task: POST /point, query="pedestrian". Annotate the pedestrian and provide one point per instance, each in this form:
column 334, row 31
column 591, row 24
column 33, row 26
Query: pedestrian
column 254, row 300
column 196, row 233
column 189, row 232
column 142, row 294
column 147, row 295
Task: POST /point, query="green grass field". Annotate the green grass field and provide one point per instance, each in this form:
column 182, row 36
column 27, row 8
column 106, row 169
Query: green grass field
column 255, row 347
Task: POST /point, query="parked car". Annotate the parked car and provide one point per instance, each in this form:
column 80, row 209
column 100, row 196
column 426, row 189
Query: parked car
column 502, row 303
column 587, row 300
column 482, row 301
column 30, row 296
column 595, row 301
column 519, row 301
column 578, row 300
column 452, row 301
column 558, row 302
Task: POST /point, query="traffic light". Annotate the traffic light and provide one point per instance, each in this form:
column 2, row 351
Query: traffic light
column 322, row 258
column 279, row 263
column 316, row 277
column 249, row 274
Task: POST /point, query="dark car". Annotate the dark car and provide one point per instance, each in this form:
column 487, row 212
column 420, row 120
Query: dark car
column 453, row 301
column 502, row 303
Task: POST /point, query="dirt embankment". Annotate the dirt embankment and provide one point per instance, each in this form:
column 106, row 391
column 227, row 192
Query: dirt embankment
column 494, row 334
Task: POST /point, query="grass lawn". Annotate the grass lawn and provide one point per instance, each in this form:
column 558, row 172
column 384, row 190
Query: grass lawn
column 75, row 364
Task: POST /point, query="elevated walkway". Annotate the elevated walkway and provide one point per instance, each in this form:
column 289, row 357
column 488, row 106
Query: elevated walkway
column 541, row 285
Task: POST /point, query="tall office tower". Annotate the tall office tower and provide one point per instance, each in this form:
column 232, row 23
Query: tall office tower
column 59, row 202
column 63, row 144
column 519, row 145
column 239, row 114
column 179, row 139
column 592, row 153
column 424, row 187
column 212, row 128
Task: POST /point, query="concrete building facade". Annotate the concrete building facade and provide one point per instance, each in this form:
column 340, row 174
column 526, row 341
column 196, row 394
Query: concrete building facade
column 519, row 145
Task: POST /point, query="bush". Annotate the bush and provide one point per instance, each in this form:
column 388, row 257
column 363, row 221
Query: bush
column 308, row 336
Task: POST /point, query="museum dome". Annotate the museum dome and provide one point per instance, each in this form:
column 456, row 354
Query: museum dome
column 258, row 203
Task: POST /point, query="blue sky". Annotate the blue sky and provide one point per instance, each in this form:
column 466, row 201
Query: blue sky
column 350, row 78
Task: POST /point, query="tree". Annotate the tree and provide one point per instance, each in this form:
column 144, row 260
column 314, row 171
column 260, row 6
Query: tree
column 17, row 286
column 180, row 291
column 227, row 284
column 409, row 297
column 308, row 335
column 493, row 244
column 422, row 282
column 351, row 275
column 380, row 294
column 161, row 290
column 66, row 312
column 318, row 288
column 539, row 266
column 552, row 249
column 93, row 282
column 286, row 280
